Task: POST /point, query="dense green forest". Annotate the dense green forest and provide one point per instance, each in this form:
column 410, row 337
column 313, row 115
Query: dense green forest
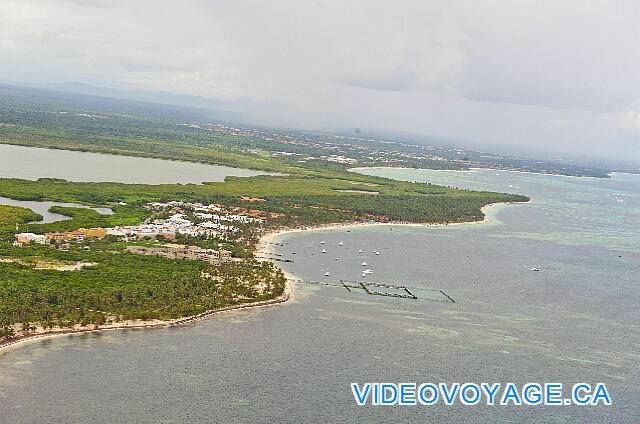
column 121, row 286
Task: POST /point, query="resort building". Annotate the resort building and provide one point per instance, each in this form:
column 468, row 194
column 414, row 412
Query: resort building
column 64, row 237
column 23, row 238
column 184, row 252
column 145, row 230
column 238, row 218
column 93, row 232
column 179, row 220
column 79, row 235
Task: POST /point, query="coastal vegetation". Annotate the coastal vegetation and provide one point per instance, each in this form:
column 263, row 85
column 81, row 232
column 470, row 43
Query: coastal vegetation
column 125, row 286
column 121, row 286
column 301, row 200
column 118, row 285
column 12, row 215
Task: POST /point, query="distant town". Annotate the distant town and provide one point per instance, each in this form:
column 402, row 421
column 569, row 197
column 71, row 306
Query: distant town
column 356, row 150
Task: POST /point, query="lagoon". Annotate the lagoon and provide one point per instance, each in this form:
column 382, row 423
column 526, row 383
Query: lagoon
column 42, row 208
column 31, row 163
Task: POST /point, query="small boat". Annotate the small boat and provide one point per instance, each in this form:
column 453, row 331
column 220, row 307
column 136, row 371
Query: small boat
column 335, row 259
column 534, row 269
column 375, row 252
column 341, row 244
column 363, row 264
column 323, row 251
column 327, row 274
column 367, row 271
column 360, row 251
column 322, row 242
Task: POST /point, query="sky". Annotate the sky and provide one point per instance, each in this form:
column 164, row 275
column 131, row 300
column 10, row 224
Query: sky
column 557, row 76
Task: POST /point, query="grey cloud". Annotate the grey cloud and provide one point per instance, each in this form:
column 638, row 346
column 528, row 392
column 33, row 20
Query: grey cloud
column 572, row 55
column 526, row 73
column 391, row 82
column 142, row 65
column 107, row 4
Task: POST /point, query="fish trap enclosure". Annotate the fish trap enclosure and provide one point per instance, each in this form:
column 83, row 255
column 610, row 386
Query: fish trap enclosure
column 387, row 290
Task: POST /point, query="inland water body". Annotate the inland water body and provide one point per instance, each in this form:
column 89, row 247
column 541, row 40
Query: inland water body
column 42, row 208
column 31, row 163
column 575, row 320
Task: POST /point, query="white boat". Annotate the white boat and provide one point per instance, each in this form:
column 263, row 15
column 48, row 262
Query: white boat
column 341, row 244
column 367, row 271
column 375, row 252
column 327, row 274
column 363, row 264
column 323, row 251
column 360, row 251
column 335, row 259
column 322, row 242
column 534, row 269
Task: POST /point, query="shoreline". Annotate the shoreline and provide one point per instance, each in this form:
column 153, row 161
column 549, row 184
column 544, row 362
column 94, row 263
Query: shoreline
column 476, row 168
column 137, row 324
column 264, row 248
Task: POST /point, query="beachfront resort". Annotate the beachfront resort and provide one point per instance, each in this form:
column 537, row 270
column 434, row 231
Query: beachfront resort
column 168, row 221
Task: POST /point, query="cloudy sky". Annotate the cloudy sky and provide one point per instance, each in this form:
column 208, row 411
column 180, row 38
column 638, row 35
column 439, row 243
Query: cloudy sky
column 556, row 75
